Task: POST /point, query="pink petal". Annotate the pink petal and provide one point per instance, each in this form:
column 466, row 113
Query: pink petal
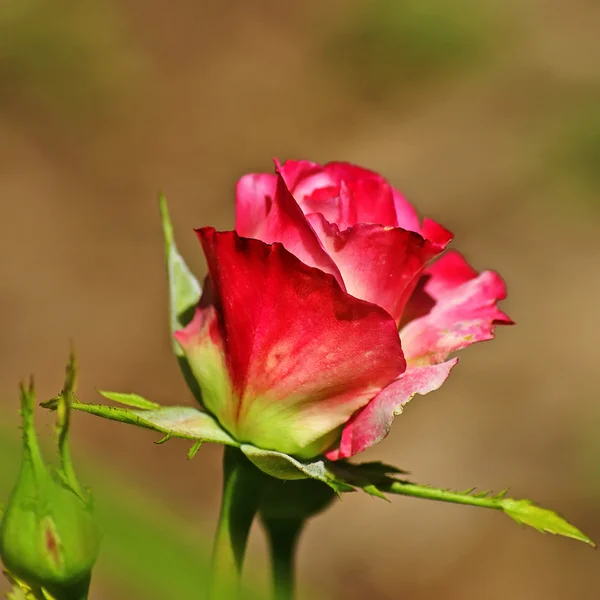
column 447, row 273
column 302, row 354
column 461, row 310
column 343, row 193
column 406, row 215
column 254, row 195
column 378, row 264
column 372, row 423
column 345, row 171
column 303, row 177
column 266, row 210
column 353, row 202
column 333, row 203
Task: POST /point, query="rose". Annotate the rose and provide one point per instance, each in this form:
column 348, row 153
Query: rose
column 295, row 343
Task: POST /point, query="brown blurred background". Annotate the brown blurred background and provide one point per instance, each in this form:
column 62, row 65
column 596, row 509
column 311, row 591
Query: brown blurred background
column 485, row 114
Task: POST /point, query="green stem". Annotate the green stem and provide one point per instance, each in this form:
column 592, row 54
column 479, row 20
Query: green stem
column 243, row 485
column 283, row 535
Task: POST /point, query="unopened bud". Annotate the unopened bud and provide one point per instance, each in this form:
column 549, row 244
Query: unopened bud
column 48, row 535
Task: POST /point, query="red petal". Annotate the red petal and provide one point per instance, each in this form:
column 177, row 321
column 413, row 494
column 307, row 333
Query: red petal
column 303, row 355
column 266, row 210
column 378, row 264
column 373, row 200
column 435, row 233
column 462, row 310
column 372, row 423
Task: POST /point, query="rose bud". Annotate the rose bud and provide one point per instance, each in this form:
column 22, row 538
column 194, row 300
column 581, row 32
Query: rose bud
column 48, row 536
column 326, row 310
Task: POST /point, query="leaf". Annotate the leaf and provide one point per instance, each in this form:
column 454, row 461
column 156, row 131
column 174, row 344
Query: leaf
column 184, row 295
column 134, row 400
column 525, row 512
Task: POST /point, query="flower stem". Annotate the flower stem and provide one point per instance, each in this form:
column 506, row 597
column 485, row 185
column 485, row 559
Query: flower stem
column 243, row 485
column 283, row 537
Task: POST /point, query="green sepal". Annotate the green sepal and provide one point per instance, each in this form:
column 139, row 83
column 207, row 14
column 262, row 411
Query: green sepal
column 284, row 466
column 133, row 400
column 48, row 536
column 185, row 422
column 184, row 295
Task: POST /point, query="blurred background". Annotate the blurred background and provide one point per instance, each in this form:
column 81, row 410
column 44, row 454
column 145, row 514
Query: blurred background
column 485, row 114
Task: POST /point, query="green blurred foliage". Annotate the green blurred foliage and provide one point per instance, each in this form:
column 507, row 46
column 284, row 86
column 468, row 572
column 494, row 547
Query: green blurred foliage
column 579, row 148
column 60, row 59
column 385, row 44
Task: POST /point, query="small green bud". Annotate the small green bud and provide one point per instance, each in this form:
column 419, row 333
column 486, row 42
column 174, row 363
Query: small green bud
column 48, row 535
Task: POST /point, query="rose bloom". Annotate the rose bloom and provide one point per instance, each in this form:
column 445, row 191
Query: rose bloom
column 323, row 313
